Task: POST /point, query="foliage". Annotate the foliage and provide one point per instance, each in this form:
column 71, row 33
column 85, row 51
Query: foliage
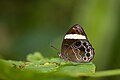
column 37, row 67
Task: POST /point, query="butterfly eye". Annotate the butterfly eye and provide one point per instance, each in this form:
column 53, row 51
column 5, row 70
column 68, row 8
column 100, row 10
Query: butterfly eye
column 77, row 43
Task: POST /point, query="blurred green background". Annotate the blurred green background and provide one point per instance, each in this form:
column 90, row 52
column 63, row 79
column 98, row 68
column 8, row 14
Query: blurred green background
column 30, row 26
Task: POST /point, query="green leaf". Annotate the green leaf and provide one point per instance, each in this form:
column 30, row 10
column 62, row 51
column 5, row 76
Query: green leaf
column 78, row 70
column 38, row 67
column 35, row 57
column 37, row 64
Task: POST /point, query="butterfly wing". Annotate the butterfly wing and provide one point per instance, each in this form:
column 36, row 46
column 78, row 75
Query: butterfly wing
column 76, row 29
column 67, row 52
column 76, row 47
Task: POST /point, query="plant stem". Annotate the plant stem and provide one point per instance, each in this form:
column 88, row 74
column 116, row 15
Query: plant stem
column 107, row 73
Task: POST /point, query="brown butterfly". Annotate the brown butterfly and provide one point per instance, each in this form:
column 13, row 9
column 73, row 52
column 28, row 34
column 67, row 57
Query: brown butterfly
column 76, row 46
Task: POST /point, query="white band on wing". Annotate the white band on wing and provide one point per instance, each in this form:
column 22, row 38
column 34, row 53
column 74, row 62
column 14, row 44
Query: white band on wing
column 74, row 36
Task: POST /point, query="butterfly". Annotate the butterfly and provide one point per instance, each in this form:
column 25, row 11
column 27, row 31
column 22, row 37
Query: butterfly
column 76, row 46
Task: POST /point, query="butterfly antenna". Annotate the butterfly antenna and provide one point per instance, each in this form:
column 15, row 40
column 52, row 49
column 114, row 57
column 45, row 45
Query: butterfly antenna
column 53, row 46
column 56, row 49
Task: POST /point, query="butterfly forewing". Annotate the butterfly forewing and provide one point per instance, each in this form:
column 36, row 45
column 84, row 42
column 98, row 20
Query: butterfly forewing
column 75, row 46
